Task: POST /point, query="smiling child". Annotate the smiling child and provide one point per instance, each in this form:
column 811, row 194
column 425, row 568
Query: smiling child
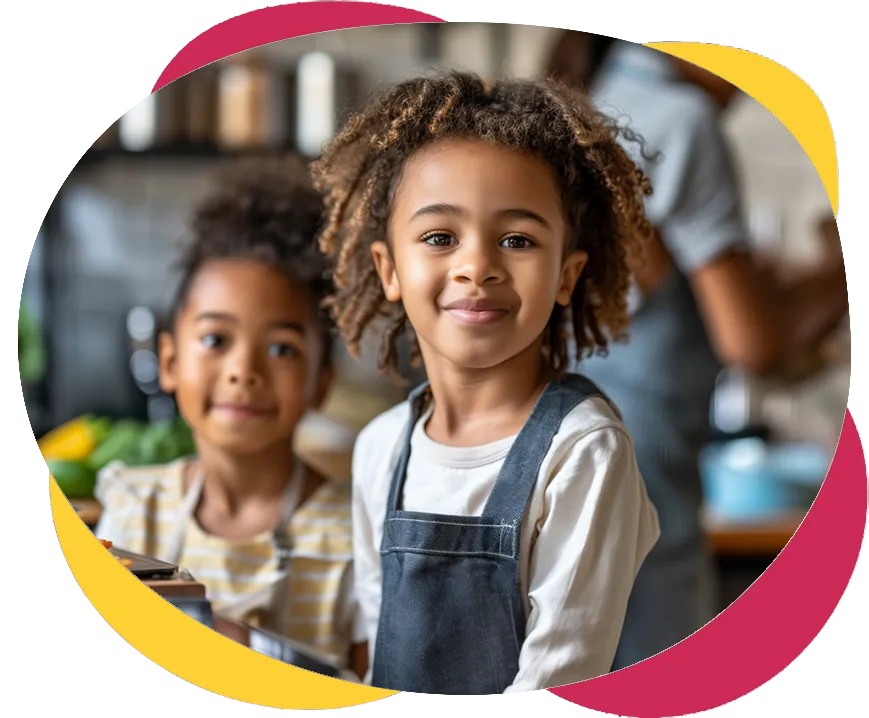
column 246, row 356
column 499, row 515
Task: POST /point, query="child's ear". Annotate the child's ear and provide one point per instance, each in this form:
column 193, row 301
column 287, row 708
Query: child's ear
column 386, row 271
column 324, row 386
column 570, row 273
column 167, row 356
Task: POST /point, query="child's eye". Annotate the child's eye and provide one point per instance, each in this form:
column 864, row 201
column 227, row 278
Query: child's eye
column 439, row 239
column 517, row 241
column 283, row 350
column 213, row 341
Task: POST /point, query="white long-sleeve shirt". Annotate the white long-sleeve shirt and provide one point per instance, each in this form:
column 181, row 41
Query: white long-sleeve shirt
column 588, row 527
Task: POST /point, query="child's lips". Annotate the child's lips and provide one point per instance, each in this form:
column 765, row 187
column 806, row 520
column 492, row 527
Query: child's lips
column 241, row 411
column 477, row 312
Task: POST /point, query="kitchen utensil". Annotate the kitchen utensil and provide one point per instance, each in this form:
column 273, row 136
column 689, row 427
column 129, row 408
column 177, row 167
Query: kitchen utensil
column 145, row 567
column 748, row 480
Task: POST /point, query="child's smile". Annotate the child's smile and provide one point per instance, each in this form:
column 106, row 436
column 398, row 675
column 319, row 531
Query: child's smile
column 477, row 251
column 479, row 311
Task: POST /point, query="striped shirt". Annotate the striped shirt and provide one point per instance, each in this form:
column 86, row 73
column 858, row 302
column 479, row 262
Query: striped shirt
column 313, row 603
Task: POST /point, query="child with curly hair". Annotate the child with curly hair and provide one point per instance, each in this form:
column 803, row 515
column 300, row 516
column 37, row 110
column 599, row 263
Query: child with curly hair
column 246, row 356
column 499, row 515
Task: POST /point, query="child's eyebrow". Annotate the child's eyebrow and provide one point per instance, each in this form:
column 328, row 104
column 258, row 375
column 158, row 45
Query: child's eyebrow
column 220, row 316
column 293, row 326
column 455, row 210
column 280, row 324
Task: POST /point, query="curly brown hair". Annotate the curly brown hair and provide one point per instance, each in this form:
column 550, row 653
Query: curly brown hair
column 265, row 209
column 602, row 192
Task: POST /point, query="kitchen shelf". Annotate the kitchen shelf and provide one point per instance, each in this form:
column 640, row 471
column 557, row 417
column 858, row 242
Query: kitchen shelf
column 181, row 151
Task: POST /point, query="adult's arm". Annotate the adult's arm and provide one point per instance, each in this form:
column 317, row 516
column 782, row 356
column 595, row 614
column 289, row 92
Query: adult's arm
column 761, row 325
column 753, row 320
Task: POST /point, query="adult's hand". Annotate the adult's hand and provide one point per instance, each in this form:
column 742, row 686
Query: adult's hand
column 762, row 323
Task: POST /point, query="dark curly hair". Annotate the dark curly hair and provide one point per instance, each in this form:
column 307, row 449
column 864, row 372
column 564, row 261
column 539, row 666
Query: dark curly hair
column 266, row 209
column 602, row 192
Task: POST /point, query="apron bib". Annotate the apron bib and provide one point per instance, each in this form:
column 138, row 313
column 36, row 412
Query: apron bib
column 271, row 596
column 452, row 619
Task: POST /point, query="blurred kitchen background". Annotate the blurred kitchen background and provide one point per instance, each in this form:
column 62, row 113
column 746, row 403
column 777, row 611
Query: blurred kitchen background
column 98, row 278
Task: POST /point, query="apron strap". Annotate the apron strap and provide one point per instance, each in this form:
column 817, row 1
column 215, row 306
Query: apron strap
column 184, row 514
column 519, row 472
column 417, row 401
column 289, row 503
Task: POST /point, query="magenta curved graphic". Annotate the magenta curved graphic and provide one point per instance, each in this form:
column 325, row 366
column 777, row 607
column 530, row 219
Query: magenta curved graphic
column 767, row 627
column 281, row 22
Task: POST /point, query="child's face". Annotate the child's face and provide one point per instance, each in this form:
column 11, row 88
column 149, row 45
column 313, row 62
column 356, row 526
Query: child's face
column 240, row 358
column 478, row 251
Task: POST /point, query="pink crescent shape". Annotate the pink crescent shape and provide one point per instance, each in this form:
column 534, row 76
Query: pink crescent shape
column 771, row 624
column 266, row 25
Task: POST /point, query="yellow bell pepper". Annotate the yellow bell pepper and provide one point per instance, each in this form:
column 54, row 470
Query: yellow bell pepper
column 72, row 441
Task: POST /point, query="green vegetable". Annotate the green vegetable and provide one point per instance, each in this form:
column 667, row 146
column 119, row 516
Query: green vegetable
column 165, row 441
column 99, row 427
column 138, row 444
column 120, row 444
column 75, row 478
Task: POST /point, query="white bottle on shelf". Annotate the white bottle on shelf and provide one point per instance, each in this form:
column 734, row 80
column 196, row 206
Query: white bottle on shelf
column 137, row 128
column 315, row 102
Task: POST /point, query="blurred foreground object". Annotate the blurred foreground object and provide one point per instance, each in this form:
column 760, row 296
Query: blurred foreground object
column 77, row 450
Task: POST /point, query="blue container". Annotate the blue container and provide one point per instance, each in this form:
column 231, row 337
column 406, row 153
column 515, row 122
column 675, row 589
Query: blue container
column 749, row 480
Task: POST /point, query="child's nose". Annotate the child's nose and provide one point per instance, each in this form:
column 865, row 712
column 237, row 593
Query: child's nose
column 244, row 379
column 243, row 370
column 478, row 264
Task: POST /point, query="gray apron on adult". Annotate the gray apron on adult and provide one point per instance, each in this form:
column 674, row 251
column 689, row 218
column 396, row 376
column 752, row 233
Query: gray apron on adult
column 452, row 619
column 663, row 379
column 273, row 596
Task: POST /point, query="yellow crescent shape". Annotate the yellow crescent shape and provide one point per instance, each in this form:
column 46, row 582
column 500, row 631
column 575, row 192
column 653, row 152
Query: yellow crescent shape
column 181, row 645
column 784, row 94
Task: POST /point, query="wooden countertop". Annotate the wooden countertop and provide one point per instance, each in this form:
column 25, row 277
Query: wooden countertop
column 726, row 538
column 751, row 539
column 88, row 510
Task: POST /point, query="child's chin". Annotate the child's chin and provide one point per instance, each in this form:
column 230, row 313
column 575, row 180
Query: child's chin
column 479, row 360
column 240, row 444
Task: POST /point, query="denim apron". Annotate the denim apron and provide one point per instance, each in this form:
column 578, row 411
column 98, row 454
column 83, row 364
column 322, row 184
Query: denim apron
column 452, row 618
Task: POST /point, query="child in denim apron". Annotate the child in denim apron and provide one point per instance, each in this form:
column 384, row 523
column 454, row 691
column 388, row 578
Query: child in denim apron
column 499, row 516
column 247, row 356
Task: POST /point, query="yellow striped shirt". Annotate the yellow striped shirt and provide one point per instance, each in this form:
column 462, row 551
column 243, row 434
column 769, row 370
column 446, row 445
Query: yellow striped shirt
column 314, row 603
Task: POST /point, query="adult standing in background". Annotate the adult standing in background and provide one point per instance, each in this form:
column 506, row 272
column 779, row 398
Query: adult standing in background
column 701, row 300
